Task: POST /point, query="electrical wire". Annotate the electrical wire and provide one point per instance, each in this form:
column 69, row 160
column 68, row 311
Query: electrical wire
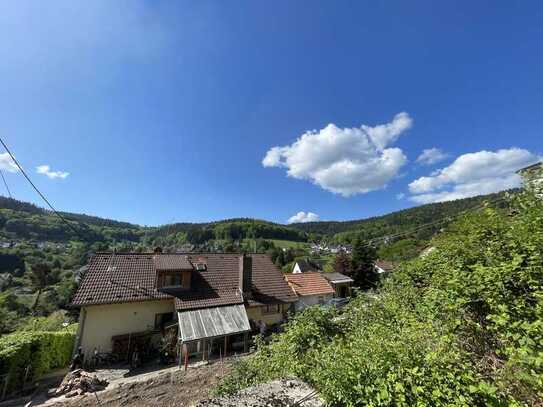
column 372, row 241
column 39, row 192
column 5, row 183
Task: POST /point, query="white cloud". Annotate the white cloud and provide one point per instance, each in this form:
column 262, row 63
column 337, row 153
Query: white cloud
column 431, row 156
column 46, row 170
column 472, row 174
column 7, row 164
column 303, row 217
column 400, row 196
column 345, row 161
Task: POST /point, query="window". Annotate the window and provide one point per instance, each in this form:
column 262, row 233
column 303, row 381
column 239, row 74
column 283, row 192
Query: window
column 271, row 309
column 173, row 280
column 163, row 319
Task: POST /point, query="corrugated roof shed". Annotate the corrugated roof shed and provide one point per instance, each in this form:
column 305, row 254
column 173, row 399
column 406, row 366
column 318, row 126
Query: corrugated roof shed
column 212, row 322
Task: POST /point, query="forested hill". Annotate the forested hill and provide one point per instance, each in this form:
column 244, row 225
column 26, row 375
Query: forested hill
column 22, row 220
column 397, row 222
column 25, row 221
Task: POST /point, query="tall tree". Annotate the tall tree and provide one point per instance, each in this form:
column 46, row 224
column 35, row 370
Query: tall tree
column 362, row 269
column 40, row 276
column 342, row 263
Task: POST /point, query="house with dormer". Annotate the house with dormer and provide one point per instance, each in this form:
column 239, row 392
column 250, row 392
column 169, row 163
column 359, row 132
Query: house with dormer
column 129, row 300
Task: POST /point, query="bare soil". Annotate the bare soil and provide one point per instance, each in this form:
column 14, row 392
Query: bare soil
column 169, row 387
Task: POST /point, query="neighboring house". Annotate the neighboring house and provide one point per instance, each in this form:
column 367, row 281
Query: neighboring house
column 305, row 265
column 383, row 266
column 533, row 176
column 204, row 300
column 341, row 284
column 311, row 288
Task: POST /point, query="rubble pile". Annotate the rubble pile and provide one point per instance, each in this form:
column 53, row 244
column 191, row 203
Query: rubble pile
column 79, row 382
column 279, row 393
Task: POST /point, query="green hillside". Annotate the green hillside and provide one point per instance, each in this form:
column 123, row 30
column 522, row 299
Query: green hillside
column 40, row 254
column 396, row 222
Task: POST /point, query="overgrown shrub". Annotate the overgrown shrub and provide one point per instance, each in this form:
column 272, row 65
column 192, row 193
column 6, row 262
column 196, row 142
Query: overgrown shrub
column 42, row 351
column 460, row 326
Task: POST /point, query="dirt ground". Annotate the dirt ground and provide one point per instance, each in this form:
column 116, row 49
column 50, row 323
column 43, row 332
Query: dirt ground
column 169, row 387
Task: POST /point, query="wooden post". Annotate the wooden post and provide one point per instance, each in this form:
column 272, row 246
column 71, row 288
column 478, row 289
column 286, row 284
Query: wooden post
column 220, row 357
column 203, row 350
column 225, row 345
column 246, row 342
column 178, row 347
column 128, row 350
column 27, row 371
column 186, row 351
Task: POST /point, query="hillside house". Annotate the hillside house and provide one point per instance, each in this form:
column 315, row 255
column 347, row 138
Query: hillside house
column 305, row 265
column 204, row 300
column 311, row 288
column 341, row 284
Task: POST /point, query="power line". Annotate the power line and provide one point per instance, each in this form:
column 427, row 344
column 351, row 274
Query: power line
column 5, row 183
column 39, row 192
column 369, row 242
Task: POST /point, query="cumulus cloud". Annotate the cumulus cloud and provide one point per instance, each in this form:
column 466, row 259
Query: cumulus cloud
column 7, row 164
column 431, row 156
column 346, row 161
column 303, row 217
column 472, row 174
column 46, row 170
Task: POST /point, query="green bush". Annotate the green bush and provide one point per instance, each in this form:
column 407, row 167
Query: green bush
column 42, row 351
column 461, row 326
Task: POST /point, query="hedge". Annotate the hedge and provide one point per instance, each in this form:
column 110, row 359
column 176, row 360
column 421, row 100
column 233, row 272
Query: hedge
column 42, row 351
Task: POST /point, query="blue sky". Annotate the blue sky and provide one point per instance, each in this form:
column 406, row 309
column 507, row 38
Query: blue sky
column 164, row 111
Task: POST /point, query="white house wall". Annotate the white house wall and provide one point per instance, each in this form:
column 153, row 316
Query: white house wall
column 104, row 321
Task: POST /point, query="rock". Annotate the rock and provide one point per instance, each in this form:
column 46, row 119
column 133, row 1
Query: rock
column 79, row 382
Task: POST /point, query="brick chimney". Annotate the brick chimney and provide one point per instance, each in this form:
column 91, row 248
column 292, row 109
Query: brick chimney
column 245, row 275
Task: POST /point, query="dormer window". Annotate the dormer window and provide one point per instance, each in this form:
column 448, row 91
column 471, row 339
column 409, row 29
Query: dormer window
column 200, row 266
column 173, row 272
column 173, row 280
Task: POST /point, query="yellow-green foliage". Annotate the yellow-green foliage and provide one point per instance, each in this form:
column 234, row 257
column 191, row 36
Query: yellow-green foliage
column 42, row 351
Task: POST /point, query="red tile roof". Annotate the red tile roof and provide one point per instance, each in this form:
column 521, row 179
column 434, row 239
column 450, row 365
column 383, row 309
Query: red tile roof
column 269, row 285
column 168, row 262
column 310, row 283
column 131, row 277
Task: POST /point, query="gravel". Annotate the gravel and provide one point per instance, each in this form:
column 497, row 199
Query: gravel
column 279, row 393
